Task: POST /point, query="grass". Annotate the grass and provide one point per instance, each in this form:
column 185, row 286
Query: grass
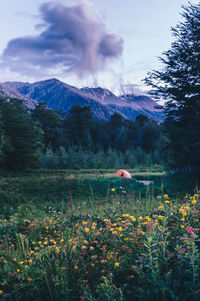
column 98, row 237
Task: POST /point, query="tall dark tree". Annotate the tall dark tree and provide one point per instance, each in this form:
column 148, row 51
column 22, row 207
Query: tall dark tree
column 21, row 135
column 179, row 84
column 79, row 124
column 51, row 124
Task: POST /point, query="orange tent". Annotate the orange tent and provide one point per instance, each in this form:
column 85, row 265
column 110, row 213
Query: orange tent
column 123, row 173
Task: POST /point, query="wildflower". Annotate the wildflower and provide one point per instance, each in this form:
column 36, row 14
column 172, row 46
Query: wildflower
column 120, row 229
column 93, row 228
column 84, row 223
column 112, row 189
column 114, row 232
column 18, row 270
column 84, row 247
column 29, row 279
column 166, row 196
column 91, row 248
column 70, row 240
column 148, row 218
column 87, row 230
column 125, row 215
column 1, row 292
column 116, row 264
column 76, row 267
column 160, row 217
column 161, row 207
column 21, row 262
column 39, row 242
column 92, row 264
column 167, row 202
column 5, row 220
column 62, row 240
column 132, row 218
column 182, row 226
column 190, row 230
column 140, row 218
column 193, row 202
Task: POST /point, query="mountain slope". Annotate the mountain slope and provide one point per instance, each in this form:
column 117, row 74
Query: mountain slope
column 5, row 91
column 60, row 96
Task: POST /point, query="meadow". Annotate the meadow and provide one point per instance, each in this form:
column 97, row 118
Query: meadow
column 87, row 235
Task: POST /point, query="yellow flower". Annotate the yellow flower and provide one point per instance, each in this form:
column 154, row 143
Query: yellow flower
column 5, row 220
column 132, row 218
column 84, row 247
column 125, row 215
column 29, row 279
column 114, row 232
column 30, row 260
column 92, row 264
column 167, row 202
column 62, row 240
column 21, row 262
column 140, row 218
column 87, row 230
column 182, row 226
column 161, row 207
column 93, row 228
column 76, row 267
column 143, row 233
column 112, row 189
column 18, row 270
column 84, row 223
column 39, row 242
column 1, row 292
column 70, row 240
column 91, row 248
column 120, row 229
column 160, row 217
column 166, row 196
column 148, row 218
column 193, row 202
column 116, row 264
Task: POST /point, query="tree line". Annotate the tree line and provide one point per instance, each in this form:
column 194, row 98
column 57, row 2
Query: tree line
column 43, row 137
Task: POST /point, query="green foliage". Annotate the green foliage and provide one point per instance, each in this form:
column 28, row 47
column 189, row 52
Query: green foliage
column 178, row 82
column 21, row 136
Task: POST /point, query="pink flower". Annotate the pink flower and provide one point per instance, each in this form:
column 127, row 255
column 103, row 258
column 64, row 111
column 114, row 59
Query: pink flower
column 190, row 230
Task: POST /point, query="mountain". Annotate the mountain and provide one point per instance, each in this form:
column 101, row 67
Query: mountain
column 128, row 105
column 5, row 91
column 60, row 97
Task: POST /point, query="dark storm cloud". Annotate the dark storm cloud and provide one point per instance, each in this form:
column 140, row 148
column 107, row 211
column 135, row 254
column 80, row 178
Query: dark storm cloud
column 73, row 38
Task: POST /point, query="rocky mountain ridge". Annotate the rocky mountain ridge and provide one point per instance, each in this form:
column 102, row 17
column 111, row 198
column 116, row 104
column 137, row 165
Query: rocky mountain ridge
column 60, row 96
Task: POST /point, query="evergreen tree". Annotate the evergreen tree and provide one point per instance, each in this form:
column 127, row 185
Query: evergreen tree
column 22, row 136
column 179, row 84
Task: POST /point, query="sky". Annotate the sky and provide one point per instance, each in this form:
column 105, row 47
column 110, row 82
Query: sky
column 108, row 43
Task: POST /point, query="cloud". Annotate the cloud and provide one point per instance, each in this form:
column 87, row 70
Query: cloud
column 72, row 39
